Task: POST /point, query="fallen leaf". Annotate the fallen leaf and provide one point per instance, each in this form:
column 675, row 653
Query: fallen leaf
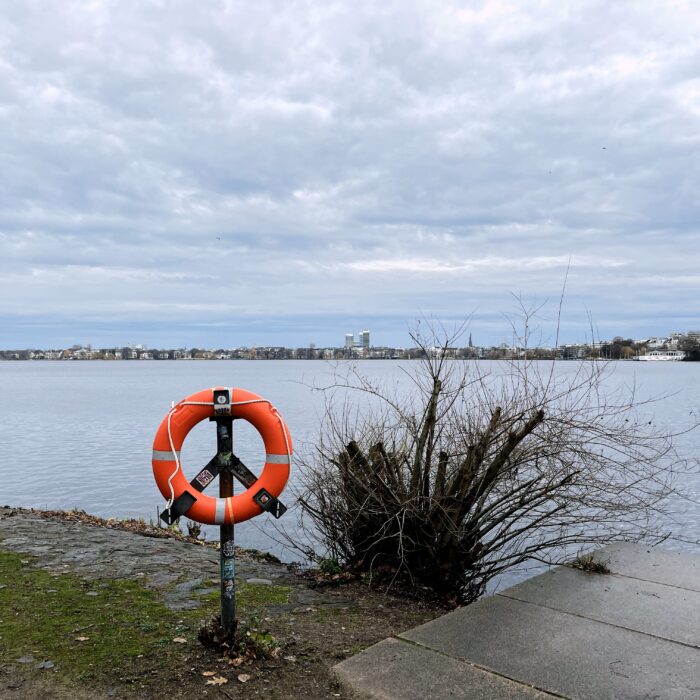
column 44, row 664
column 292, row 659
column 81, row 639
column 180, row 640
column 236, row 662
column 243, row 677
column 208, row 673
column 217, row 680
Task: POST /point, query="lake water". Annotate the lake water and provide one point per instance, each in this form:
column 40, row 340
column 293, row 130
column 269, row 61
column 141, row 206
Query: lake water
column 79, row 434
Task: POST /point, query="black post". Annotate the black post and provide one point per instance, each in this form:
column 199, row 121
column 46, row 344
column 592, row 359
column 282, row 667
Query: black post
column 224, row 444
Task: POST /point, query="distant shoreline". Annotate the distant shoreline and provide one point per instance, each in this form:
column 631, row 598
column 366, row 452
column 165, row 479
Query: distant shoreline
column 675, row 347
column 335, row 359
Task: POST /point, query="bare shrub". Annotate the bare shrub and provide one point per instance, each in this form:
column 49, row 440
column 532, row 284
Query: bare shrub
column 472, row 473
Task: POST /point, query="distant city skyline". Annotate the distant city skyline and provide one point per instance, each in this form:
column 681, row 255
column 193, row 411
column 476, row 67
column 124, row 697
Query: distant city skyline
column 364, row 341
column 674, row 348
column 265, row 173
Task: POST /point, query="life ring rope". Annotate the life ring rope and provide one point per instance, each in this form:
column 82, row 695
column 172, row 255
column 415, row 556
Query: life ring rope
column 175, row 453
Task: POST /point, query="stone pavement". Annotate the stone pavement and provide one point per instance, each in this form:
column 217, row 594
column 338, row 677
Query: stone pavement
column 634, row 633
column 182, row 571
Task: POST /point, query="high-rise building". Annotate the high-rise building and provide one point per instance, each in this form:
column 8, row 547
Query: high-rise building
column 364, row 339
column 349, row 341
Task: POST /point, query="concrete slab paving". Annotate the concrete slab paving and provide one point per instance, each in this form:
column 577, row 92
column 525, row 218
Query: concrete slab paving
column 652, row 564
column 563, row 653
column 395, row 668
column 634, row 633
column 663, row 611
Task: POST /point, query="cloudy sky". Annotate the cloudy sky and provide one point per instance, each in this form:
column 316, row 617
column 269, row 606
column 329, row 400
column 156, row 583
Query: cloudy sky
column 237, row 173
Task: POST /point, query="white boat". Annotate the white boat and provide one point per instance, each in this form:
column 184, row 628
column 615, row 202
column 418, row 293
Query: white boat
column 662, row 356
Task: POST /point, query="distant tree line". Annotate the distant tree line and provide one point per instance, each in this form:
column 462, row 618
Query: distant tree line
column 690, row 345
column 621, row 349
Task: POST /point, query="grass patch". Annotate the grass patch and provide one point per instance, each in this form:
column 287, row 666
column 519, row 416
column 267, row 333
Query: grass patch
column 89, row 629
column 327, row 614
column 250, row 597
column 257, row 596
column 102, row 629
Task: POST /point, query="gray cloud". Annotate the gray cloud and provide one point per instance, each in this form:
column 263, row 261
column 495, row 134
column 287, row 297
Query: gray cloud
column 274, row 172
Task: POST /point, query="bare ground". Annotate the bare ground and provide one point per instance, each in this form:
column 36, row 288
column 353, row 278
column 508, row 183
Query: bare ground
column 315, row 626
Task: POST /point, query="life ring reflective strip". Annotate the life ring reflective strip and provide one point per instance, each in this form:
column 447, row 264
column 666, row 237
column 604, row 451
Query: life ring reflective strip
column 171, row 435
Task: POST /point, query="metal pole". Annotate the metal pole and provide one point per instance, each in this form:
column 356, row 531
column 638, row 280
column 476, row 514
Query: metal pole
column 224, row 444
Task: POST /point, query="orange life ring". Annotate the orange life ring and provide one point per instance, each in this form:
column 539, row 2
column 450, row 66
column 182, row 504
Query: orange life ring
column 173, row 430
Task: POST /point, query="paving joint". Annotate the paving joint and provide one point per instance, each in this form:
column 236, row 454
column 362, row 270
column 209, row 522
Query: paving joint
column 485, row 669
column 649, row 580
column 602, row 622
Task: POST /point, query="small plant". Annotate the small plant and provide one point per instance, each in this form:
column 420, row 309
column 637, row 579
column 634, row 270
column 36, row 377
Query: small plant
column 194, row 530
column 249, row 641
column 259, row 642
column 329, row 567
column 586, row 562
